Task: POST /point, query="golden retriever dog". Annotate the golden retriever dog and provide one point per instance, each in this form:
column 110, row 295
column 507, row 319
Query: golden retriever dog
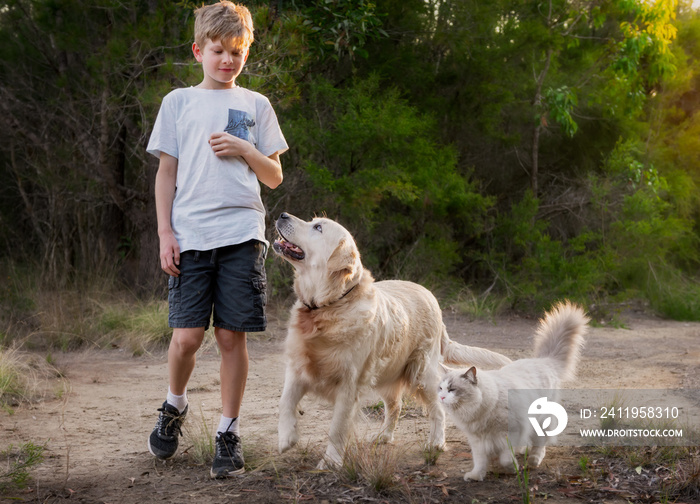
column 347, row 332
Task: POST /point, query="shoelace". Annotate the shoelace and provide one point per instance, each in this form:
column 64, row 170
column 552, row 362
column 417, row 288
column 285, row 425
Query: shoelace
column 168, row 423
column 222, row 444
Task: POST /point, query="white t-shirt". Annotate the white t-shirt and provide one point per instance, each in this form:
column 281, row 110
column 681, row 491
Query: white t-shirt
column 217, row 200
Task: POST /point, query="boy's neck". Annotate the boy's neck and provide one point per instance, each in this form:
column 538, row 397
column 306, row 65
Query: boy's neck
column 209, row 85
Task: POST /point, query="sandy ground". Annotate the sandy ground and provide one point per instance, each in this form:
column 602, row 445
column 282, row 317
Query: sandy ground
column 95, row 433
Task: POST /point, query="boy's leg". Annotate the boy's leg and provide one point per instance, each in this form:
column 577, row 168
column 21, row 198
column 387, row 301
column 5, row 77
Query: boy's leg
column 182, row 356
column 190, row 302
column 234, row 369
column 239, row 307
column 228, row 459
column 163, row 441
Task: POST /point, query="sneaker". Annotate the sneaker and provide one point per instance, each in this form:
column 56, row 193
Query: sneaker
column 164, row 439
column 229, row 456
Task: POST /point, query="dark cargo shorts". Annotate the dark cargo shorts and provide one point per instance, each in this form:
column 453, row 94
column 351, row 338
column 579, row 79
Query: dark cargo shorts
column 231, row 280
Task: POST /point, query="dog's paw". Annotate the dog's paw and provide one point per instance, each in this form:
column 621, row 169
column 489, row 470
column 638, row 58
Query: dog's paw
column 328, row 464
column 472, row 476
column 384, row 438
column 288, row 440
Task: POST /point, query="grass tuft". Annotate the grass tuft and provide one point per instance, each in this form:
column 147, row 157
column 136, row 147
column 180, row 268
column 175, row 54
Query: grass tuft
column 478, row 307
column 198, row 433
column 21, row 376
column 376, row 465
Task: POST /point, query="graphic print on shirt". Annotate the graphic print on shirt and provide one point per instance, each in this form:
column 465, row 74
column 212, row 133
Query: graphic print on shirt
column 239, row 124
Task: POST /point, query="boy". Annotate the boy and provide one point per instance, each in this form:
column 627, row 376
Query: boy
column 216, row 142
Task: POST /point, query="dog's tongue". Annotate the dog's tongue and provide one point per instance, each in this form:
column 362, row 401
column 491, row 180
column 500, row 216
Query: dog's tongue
column 289, row 247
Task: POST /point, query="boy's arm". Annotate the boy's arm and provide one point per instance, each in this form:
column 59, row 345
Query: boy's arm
column 166, row 179
column 268, row 169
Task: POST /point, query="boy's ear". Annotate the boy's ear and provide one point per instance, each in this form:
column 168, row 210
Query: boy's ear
column 197, row 52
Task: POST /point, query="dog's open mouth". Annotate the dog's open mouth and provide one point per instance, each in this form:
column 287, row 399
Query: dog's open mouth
column 288, row 249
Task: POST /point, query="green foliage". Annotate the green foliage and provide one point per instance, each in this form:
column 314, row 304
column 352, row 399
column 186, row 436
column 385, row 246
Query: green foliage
column 340, row 27
column 374, row 165
column 536, row 268
column 560, row 103
column 15, row 463
column 409, row 121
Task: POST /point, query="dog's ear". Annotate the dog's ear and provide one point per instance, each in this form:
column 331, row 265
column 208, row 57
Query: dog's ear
column 344, row 258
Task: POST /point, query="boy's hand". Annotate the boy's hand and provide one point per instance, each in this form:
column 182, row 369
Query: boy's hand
column 268, row 169
column 169, row 254
column 225, row 144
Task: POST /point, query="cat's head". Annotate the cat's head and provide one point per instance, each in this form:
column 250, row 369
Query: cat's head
column 458, row 387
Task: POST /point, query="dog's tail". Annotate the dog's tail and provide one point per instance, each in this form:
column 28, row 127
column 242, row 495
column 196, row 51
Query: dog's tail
column 560, row 337
column 464, row 355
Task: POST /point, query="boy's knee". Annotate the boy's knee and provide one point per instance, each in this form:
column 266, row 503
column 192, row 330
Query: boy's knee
column 187, row 341
column 229, row 341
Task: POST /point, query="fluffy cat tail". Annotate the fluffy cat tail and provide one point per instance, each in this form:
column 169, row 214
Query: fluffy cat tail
column 464, row 355
column 560, row 336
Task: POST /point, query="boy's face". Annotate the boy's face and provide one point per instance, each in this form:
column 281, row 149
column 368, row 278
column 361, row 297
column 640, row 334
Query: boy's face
column 221, row 63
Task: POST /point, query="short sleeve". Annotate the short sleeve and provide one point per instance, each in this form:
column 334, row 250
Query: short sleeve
column 270, row 139
column 164, row 134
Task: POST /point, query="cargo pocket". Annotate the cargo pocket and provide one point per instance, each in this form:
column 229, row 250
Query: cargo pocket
column 260, row 294
column 174, row 293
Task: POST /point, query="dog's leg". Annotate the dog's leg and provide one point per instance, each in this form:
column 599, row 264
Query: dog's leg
column 436, row 414
column 344, row 412
column 294, row 389
column 392, row 409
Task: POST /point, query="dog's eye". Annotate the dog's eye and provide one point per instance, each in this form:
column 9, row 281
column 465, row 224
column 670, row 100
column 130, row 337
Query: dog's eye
column 318, row 228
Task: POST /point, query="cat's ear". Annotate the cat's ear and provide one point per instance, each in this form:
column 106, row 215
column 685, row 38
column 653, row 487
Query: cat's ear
column 443, row 369
column 470, row 375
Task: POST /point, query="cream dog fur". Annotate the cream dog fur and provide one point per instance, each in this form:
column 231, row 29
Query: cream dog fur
column 347, row 332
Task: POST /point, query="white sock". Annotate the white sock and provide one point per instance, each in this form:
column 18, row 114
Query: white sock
column 228, row 424
column 179, row 401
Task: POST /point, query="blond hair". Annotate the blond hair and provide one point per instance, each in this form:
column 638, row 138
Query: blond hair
column 224, row 21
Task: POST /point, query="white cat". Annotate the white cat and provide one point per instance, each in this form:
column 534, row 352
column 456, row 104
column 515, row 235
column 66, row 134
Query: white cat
column 479, row 404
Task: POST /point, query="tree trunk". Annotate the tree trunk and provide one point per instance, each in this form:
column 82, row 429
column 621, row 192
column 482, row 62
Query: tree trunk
column 537, row 102
column 151, row 281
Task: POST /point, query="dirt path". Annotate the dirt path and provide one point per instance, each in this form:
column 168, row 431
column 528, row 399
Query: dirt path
column 95, row 433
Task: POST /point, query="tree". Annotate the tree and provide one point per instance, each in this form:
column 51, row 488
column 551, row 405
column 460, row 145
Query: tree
column 77, row 100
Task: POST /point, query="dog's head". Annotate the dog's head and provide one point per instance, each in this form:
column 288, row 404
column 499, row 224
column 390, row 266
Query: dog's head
column 324, row 256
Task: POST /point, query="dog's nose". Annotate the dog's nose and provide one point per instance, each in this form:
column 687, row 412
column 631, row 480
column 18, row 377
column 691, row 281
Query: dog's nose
column 284, row 215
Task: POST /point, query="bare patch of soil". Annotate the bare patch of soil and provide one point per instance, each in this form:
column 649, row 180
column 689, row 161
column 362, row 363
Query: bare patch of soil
column 95, row 433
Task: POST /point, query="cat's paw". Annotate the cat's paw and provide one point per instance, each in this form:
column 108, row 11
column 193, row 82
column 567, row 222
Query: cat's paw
column 474, row 476
column 536, row 456
column 534, row 460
